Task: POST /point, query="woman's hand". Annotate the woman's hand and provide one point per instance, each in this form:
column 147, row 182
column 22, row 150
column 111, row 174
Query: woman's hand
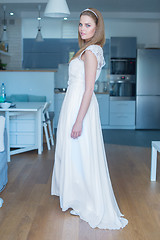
column 76, row 130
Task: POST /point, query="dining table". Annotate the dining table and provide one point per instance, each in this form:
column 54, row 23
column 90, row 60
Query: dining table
column 22, row 108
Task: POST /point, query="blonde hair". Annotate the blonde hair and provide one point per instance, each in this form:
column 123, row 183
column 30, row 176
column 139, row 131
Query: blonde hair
column 99, row 36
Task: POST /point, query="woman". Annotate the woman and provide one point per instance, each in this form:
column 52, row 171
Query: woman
column 80, row 175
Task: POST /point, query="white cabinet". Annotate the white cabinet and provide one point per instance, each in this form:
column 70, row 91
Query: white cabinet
column 103, row 101
column 22, row 130
column 58, row 100
column 122, row 114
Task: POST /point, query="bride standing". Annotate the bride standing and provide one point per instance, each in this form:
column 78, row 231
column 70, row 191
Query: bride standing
column 80, row 175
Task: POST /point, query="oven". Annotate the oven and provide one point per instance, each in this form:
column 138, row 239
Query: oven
column 123, row 78
column 122, row 86
column 123, row 66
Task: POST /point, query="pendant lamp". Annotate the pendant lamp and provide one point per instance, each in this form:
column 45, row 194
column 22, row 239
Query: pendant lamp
column 39, row 37
column 56, row 8
column 4, row 37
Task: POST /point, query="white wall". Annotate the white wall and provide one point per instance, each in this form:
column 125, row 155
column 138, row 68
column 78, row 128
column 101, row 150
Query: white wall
column 51, row 28
column 146, row 31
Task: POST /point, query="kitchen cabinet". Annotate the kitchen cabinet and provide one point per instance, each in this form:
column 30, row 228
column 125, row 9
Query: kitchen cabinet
column 113, row 114
column 58, row 100
column 123, row 47
column 103, row 101
column 22, row 130
column 47, row 54
column 122, row 114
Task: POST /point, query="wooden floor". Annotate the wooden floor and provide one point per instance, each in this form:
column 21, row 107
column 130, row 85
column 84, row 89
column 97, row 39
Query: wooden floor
column 30, row 213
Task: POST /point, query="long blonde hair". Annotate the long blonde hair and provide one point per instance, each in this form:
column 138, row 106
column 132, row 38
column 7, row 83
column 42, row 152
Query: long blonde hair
column 99, row 36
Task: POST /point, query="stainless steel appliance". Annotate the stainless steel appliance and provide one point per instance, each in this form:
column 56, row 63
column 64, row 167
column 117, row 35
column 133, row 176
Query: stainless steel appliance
column 122, row 77
column 122, row 86
column 148, row 89
column 124, row 66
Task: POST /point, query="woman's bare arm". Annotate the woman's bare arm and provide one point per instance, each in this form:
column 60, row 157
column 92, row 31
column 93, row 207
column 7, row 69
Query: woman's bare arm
column 90, row 65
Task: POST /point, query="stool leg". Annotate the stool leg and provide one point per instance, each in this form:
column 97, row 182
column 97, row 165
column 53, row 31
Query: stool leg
column 47, row 137
column 50, row 132
column 153, row 164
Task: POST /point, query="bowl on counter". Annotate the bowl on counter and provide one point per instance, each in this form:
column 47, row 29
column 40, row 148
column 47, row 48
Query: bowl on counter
column 5, row 105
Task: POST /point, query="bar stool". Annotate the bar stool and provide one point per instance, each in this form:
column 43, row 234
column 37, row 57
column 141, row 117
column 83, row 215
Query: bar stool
column 155, row 149
column 47, row 123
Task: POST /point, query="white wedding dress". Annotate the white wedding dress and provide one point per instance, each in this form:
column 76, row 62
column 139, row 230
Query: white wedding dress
column 80, row 175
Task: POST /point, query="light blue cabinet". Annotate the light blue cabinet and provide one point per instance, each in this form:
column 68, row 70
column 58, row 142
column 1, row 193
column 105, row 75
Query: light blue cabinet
column 58, row 100
column 113, row 114
column 122, row 114
column 103, row 101
column 22, row 130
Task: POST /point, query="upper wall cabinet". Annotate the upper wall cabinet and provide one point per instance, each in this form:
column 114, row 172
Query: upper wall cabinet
column 52, row 52
column 123, row 47
column 47, row 54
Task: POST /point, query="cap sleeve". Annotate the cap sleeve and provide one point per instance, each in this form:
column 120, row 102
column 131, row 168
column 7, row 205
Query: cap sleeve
column 98, row 52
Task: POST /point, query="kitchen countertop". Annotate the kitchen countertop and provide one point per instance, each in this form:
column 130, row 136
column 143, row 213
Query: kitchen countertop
column 62, row 92
column 102, row 93
column 52, row 70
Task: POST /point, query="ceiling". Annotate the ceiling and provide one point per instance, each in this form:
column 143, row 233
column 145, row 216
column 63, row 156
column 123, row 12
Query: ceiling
column 28, row 8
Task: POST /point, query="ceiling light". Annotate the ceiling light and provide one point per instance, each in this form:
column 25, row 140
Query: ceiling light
column 4, row 37
column 65, row 18
column 56, row 8
column 11, row 13
column 39, row 37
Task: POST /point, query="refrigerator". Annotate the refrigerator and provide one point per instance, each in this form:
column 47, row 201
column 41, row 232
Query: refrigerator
column 148, row 89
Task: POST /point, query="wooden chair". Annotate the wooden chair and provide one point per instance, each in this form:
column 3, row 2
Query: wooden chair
column 47, row 125
column 155, row 149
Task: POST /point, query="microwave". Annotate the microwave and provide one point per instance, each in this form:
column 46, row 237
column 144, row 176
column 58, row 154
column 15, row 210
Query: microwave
column 123, row 66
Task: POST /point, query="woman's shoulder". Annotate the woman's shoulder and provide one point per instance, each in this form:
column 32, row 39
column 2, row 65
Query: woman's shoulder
column 94, row 47
column 98, row 52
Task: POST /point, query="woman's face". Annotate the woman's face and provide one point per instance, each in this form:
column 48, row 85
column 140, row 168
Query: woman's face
column 87, row 27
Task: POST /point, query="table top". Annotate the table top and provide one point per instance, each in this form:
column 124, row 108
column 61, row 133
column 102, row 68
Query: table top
column 24, row 107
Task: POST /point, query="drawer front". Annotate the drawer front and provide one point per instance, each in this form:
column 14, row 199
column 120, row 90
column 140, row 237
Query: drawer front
column 25, row 140
column 119, row 119
column 122, row 106
column 13, row 139
column 26, row 126
column 26, row 116
column 13, row 125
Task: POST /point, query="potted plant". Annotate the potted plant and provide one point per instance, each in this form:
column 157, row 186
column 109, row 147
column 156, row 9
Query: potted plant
column 2, row 65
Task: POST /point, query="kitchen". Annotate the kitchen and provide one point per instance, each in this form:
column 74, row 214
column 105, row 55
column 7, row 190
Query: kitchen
column 142, row 25
column 145, row 28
